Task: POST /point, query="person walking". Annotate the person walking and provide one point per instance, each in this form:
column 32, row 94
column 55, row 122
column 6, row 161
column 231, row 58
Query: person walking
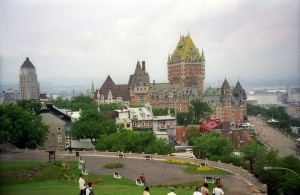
column 172, row 191
column 217, row 190
column 204, row 189
column 146, row 191
column 197, row 191
column 82, row 184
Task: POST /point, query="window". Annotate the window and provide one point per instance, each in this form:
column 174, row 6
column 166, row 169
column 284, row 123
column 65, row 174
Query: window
column 149, row 123
column 59, row 138
column 128, row 125
column 58, row 129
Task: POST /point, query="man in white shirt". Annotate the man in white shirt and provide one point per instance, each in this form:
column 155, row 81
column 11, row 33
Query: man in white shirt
column 82, row 185
column 217, row 190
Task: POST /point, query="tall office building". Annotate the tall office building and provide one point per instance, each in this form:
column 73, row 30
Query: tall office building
column 186, row 66
column 29, row 87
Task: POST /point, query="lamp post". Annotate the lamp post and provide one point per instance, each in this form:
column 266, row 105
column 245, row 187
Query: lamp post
column 281, row 168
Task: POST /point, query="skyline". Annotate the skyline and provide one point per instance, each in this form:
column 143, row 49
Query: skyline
column 241, row 40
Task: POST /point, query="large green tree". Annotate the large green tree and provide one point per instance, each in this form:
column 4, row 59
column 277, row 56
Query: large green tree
column 183, row 118
column 192, row 133
column 22, row 128
column 252, row 152
column 92, row 124
column 199, row 111
column 30, row 105
column 128, row 140
column 212, row 146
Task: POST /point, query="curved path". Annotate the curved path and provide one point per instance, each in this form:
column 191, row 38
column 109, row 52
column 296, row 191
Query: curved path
column 156, row 171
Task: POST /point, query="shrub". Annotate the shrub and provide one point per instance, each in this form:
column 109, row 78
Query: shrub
column 180, row 162
column 113, row 165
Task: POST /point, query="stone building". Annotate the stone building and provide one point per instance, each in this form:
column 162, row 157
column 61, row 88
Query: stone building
column 109, row 92
column 139, row 85
column 186, row 66
column 228, row 103
column 29, row 87
column 177, row 96
column 59, row 125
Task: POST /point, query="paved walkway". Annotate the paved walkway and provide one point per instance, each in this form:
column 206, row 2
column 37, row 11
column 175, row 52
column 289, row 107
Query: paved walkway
column 275, row 138
column 156, row 171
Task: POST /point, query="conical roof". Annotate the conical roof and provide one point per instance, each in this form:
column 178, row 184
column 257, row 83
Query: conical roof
column 27, row 64
column 238, row 88
column 225, row 84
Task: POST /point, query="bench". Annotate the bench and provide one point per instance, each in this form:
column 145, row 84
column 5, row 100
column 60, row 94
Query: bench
column 209, row 179
column 117, row 175
column 139, row 182
column 84, row 172
column 121, row 155
column 203, row 164
column 148, row 157
column 81, row 160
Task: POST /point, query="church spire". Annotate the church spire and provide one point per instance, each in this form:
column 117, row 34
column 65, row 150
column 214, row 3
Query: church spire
column 202, row 54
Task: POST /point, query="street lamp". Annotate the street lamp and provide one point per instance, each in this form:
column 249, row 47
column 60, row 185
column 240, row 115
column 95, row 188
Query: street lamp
column 281, row 168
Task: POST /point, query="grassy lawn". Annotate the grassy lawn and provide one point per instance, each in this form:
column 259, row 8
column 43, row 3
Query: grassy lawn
column 34, row 178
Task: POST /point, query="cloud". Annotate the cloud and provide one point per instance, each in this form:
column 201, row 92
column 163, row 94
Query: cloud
column 93, row 39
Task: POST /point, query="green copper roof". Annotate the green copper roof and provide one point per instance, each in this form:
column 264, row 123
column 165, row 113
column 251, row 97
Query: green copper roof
column 212, row 92
column 185, row 50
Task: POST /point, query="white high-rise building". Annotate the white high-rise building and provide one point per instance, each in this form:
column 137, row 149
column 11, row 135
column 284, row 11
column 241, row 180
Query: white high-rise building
column 29, row 87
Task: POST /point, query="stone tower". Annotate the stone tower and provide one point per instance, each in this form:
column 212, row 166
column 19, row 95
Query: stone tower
column 186, row 65
column 29, row 87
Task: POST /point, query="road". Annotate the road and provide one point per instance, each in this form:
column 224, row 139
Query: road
column 274, row 137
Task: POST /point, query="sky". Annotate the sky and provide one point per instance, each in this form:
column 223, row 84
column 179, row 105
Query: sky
column 85, row 40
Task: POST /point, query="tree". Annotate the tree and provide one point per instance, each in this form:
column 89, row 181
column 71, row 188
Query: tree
column 291, row 183
column 273, row 179
column 192, row 133
column 211, row 145
column 162, row 111
column 92, row 125
column 30, row 105
column 22, row 128
column 199, row 111
column 252, row 152
column 183, row 118
column 127, row 140
column 160, row 146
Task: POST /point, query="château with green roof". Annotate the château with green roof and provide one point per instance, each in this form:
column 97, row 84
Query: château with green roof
column 186, row 65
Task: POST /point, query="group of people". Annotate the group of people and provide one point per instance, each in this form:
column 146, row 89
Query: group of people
column 202, row 191
column 85, row 189
column 88, row 190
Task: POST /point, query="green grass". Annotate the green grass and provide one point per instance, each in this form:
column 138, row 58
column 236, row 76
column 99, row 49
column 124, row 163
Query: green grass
column 52, row 179
column 192, row 169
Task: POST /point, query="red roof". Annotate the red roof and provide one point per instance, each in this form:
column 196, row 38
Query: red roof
column 209, row 126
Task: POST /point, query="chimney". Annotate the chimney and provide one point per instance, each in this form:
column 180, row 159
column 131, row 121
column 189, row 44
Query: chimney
column 153, row 82
column 143, row 66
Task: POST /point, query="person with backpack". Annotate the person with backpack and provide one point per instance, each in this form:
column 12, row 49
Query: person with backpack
column 89, row 189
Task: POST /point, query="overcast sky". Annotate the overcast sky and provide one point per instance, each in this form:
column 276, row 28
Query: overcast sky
column 89, row 39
